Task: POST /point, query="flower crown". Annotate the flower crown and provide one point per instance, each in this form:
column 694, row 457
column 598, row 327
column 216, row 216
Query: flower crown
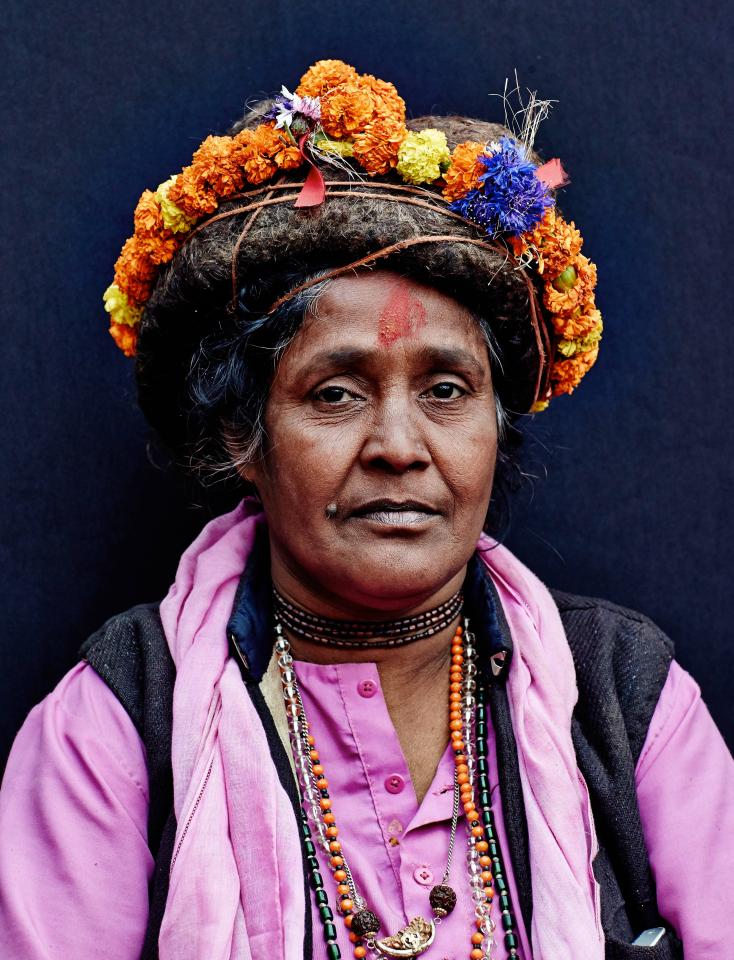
column 335, row 116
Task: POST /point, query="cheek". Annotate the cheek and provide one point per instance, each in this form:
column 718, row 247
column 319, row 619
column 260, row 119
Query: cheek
column 304, row 465
column 467, row 463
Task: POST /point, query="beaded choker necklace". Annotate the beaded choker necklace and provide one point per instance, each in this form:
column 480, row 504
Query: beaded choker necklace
column 362, row 634
column 486, row 875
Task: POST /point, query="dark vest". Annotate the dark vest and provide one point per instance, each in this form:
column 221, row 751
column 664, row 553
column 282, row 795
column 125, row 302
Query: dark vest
column 622, row 660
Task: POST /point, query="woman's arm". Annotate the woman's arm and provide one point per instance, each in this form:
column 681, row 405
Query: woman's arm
column 685, row 785
column 74, row 859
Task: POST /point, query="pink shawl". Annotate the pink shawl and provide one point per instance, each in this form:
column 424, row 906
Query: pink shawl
column 229, row 896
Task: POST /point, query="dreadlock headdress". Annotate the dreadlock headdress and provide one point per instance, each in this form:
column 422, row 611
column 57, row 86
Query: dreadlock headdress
column 348, row 133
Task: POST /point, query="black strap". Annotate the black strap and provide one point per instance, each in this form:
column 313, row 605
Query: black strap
column 622, row 660
column 513, row 803
column 494, row 640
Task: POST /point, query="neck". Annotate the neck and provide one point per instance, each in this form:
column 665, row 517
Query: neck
column 414, row 681
column 414, row 656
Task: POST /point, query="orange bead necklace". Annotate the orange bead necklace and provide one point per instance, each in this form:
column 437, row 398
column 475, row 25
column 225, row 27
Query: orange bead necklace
column 467, row 731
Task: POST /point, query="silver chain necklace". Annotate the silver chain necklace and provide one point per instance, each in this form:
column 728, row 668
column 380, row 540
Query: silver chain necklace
column 420, row 933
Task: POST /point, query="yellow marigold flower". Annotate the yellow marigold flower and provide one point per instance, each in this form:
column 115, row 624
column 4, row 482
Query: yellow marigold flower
column 423, row 156
column 135, row 272
column 192, row 194
column 567, row 374
column 377, row 148
column 463, row 173
column 386, row 98
column 125, row 337
column 342, row 148
column 570, row 348
column 346, row 110
column 539, row 406
column 173, row 217
column 217, row 162
column 118, row 307
column 324, row 75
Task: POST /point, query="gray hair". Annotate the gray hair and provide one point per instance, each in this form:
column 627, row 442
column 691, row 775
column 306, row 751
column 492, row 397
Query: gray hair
column 217, row 372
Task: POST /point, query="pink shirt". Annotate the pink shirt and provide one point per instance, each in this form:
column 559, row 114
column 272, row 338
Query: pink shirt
column 74, row 862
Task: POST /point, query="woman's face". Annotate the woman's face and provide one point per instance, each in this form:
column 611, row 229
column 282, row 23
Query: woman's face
column 381, row 407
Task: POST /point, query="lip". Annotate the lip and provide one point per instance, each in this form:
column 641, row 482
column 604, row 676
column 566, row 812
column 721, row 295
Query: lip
column 388, row 505
column 395, row 514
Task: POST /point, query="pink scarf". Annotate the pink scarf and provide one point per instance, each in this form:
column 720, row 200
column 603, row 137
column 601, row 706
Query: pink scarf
column 229, row 896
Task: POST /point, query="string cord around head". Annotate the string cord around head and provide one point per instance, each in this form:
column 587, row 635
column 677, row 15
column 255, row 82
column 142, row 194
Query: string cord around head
column 540, row 331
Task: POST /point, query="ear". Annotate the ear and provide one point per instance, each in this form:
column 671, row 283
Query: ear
column 249, row 470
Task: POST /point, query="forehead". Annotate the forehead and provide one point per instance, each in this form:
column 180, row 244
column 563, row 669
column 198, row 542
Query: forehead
column 388, row 313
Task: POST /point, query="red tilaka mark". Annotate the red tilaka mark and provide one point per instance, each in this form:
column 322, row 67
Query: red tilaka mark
column 402, row 315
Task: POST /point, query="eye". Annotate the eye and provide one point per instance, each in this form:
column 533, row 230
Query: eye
column 446, row 391
column 334, row 394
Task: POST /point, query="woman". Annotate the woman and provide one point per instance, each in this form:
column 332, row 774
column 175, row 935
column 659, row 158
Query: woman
column 357, row 725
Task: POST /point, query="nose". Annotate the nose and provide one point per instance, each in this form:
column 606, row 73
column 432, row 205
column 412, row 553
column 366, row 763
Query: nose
column 395, row 442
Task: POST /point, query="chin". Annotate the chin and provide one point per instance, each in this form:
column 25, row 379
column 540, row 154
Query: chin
column 390, row 575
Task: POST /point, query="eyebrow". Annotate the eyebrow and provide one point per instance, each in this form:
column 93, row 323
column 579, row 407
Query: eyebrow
column 435, row 357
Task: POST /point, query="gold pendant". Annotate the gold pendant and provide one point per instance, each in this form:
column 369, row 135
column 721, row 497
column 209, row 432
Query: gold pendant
column 409, row 942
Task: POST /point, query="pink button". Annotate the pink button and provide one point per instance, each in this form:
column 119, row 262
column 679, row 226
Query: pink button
column 423, row 876
column 367, row 688
column 394, row 784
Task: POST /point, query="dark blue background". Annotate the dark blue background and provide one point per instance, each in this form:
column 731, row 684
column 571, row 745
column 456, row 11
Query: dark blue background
column 106, row 99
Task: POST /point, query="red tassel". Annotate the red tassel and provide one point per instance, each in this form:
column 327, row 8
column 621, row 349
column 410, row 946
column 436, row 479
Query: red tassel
column 552, row 174
column 313, row 191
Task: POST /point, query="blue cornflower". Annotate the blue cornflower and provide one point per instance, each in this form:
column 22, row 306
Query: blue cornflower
column 510, row 199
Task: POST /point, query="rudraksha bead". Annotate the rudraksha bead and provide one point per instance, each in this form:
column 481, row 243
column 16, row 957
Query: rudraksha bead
column 364, row 923
column 442, row 899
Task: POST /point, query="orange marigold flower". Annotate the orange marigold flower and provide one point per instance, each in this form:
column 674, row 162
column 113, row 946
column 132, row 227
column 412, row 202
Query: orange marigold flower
column 324, row 75
column 135, row 271
column 578, row 324
column 552, row 243
column 518, row 244
column 192, row 194
column 566, row 375
column 463, row 174
column 154, row 238
column 387, row 100
column 558, row 246
column 346, row 110
column 160, row 249
column 267, row 151
column 377, row 147
column 572, row 287
column 535, row 238
column 125, row 337
column 217, row 161
column 148, row 217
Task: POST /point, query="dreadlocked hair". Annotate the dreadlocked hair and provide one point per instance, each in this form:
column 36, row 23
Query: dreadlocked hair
column 205, row 358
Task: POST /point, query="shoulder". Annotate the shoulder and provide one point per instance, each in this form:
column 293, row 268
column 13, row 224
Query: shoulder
column 78, row 735
column 598, row 627
column 622, row 661
column 73, row 827
column 130, row 653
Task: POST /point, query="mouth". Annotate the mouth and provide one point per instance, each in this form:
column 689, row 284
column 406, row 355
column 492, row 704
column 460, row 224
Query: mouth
column 395, row 513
